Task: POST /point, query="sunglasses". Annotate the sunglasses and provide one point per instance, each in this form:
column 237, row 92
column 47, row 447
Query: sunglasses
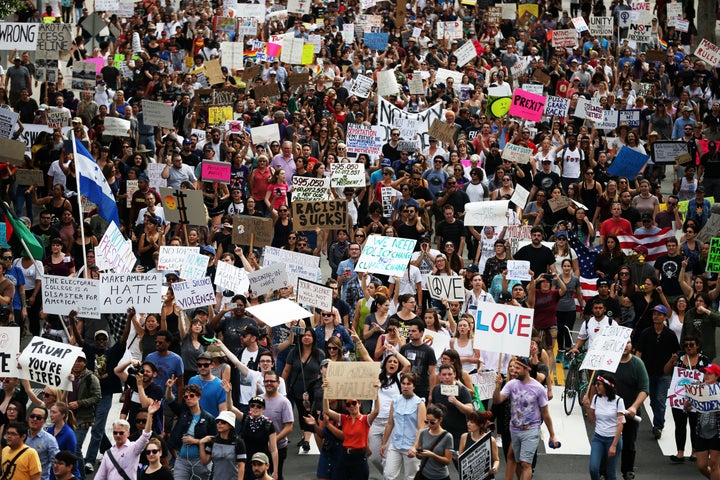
column 333, row 349
column 688, row 345
column 351, row 403
column 35, row 416
column 203, row 365
column 7, row 257
column 141, row 420
column 189, row 395
column 327, row 314
column 256, row 405
column 152, row 452
column 430, row 422
column 119, row 433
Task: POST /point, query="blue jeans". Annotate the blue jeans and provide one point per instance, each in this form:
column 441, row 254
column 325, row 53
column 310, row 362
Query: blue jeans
column 659, row 385
column 97, row 433
column 598, row 451
column 23, row 200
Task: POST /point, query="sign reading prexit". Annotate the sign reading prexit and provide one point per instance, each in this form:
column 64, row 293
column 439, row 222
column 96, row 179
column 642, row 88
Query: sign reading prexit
column 527, row 105
column 503, row 328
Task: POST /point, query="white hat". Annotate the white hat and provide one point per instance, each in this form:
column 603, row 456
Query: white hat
column 227, row 417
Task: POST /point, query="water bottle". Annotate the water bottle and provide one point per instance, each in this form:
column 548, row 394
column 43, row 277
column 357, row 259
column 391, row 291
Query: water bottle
column 554, row 445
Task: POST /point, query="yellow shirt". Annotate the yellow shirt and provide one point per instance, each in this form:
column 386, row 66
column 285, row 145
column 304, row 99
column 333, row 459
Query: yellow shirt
column 26, row 465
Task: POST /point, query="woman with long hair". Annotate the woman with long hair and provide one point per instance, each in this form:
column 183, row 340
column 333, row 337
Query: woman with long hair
column 607, row 411
column 702, row 321
column 226, row 450
column 171, row 316
column 329, row 326
column 433, row 445
column 277, row 190
column 643, row 301
column 63, row 428
column 406, row 310
column 80, row 243
column 15, row 412
column 610, row 258
column 563, row 251
column 566, row 310
column 370, row 289
column 451, row 357
column 645, row 201
column 462, row 343
column 478, row 425
column 150, row 241
column 191, row 347
column 155, row 470
column 434, row 323
column 377, row 322
column 610, row 195
column 455, row 257
column 389, row 341
column 582, row 227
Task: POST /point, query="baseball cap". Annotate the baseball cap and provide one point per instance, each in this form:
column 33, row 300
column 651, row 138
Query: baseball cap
column 101, row 332
column 472, row 268
column 660, row 308
column 602, row 282
column 385, row 162
column 250, row 330
column 561, row 233
column 207, row 249
column 712, row 368
column 260, row 457
column 505, row 296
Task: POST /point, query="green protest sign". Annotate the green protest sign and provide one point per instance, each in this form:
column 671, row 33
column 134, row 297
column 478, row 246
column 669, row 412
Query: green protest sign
column 713, row 261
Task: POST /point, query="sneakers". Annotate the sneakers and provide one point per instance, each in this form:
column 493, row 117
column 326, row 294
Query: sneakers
column 560, row 356
column 89, row 467
column 305, row 446
column 629, row 476
column 657, row 433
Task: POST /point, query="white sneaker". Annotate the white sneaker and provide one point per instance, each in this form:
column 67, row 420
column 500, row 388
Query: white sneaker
column 498, row 440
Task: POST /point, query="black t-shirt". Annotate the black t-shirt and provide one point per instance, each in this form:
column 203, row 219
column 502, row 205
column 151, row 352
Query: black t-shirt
column 657, row 349
column 540, row 258
column 110, row 75
column 546, row 181
column 632, row 215
column 451, row 232
column 669, row 268
column 421, row 358
column 612, row 307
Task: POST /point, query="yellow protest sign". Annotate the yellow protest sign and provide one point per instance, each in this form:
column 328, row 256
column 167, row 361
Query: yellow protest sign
column 218, row 115
column 308, row 54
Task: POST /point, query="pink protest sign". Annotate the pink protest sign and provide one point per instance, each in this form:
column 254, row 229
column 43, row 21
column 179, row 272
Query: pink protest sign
column 215, row 172
column 527, row 105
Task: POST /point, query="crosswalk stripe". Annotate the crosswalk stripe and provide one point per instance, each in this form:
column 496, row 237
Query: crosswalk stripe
column 667, row 441
column 569, row 429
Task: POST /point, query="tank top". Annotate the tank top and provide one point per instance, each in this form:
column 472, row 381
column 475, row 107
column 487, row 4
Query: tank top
column 466, row 351
column 282, row 232
column 589, row 198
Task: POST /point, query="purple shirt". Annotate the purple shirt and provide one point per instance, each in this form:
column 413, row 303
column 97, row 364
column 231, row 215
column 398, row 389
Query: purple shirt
column 526, row 400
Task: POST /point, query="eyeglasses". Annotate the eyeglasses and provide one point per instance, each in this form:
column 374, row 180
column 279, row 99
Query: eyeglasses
column 152, row 452
column 688, row 345
column 119, row 433
column 351, row 403
column 46, row 394
column 189, row 395
column 203, row 365
column 452, row 183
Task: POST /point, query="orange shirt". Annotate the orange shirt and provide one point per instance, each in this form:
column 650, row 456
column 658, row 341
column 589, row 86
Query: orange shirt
column 356, row 432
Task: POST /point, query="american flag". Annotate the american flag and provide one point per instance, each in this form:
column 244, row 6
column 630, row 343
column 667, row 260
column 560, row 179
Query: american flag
column 655, row 243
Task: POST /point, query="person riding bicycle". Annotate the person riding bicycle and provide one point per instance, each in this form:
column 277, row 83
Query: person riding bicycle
column 592, row 327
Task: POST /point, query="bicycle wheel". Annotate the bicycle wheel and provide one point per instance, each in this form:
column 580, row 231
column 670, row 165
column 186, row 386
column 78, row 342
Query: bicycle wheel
column 570, row 394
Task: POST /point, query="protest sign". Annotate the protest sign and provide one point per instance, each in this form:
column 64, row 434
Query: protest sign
column 557, row 106
column 681, row 377
column 627, row 163
column 703, row 397
column 195, row 266
column 708, row 52
column 442, row 75
column 387, row 83
column 347, row 175
column 269, row 90
column 376, row 41
column 486, row 214
column 446, row 287
column 518, row 270
column 713, row 261
column 114, row 252
column 194, row 293
column 29, row 177
column 408, row 127
column 313, row 294
column 362, row 86
column 564, row 38
column 438, row 341
column 389, row 113
column 631, row 117
column 214, row 72
column 9, row 350
column 116, row 127
column 232, row 278
column 255, row 230
column 442, row 131
column 120, row 291
column 295, row 79
column 485, row 383
column 296, row 264
column 265, row 134
column 219, row 115
column 385, row 255
column 8, row 122
column 520, row 67
column 54, row 37
column 579, row 24
column 527, row 105
column 593, row 111
column 535, row 88
column 18, row 36
column 173, row 258
column 451, row 30
column 415, row 83
column 558, row 203
column 601, row 26
column 465, row 53
column 48, row 363
column 476, row 462
column 278, row 312
column 517, row 153
column 157, row 114
column 364, row 139
column 232, row 53
column 540, row 77
column 655, row 55
column 233, row 126
column 682, row 25
column 503, row 328
column 520, row 196
column 354, row 380
column 674, row 13
column 494, row 15
column 154, row 173
column 60, row 295
column 605, row 351
column 408, row 145
column 309, row 189
column 670, row 152
column 57, row 118
column 183, row 206
column 640, row 30
column 215, row 171
column 509, row 11
column 268, row 279
column 609, row 120
column 323, row 215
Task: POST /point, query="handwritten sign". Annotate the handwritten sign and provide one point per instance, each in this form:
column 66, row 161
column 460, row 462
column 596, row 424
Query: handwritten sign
column 296, row 264
column 517, row 153
column 194, row 293
column 670, row 152
column 605, row 351
column 703, row 397
column 173, row 258
column 601, row 26
column 708, row 52
column 476, row 462
column 713, row 261
column 323, row 215
column 157, row 114
column 114, row 252
column 609, row 120
column 268, row 279
column 465, row 53
column 256, row 230
column 215, row 171
column 438, row 341
column 347, row 175
column 116, row 127
column 631, row 117
column 579, row 24
column 8, row 123
column 503, row 328
column 518, row 270
column 442, row 131
column 265, row 134
column 18, row 36
column 527, row 105
column 313, row 294
column 352, row 380
column 490, row 214
column 278, row 312
column 63, row 294
column 119, row 291
column 559, row 203
column 9, row 350
column 446, row 287
column 485, row 383
column 385, row 255
column 48, row 362
column 195, row 266
column 564, row 38
column 362, row 86
column 364, row 139
column 309, row 189
column 232, row 278
column 183, row 206
column 640, row 30
column 386, row 81
column 519, row 196
column 681, row 377
column 29, row 177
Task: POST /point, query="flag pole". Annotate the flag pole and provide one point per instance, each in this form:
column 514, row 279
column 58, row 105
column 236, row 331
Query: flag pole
column 79, row 197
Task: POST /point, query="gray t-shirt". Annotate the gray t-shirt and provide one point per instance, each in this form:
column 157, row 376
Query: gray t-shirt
column 18, row 77
column 225, row 456
column 434, row 470
column 567, row 301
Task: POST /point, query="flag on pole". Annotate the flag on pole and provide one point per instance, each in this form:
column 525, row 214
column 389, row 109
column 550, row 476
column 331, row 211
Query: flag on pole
column 19, row 236
column 93, row 184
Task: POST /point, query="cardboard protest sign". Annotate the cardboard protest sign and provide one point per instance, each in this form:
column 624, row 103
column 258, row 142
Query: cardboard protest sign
column 114, row 252
column 609, row 120
column 365, row 139
column 605, row 351
column 385, row 255
column 527, row 105
column 627, row 163
column 295, row 79
column 442, row 131
column 9, row 350
column 269, row 90
column 446, row 287
column 63, row 294
column 503, row 328
column 347, row 175
column 265, row 134
column 214, row 72
column 268, row 279
column 670, row 152
column 438, row 341
column 232, row 278
column 325, row 215
column 8, row 122
column 297, row 265
column 476, row 462
column 357, row 383
column 215, row 171
column 194, row 293
column 491, row 214
column 57, row 118
column 485, row 383
column 256, row 230
column 703, row 397
column 558, row 203
column 120, row 291
column 708, row 52
column 19, row 36
column 540, row 77
column 564, row 38
column 183, row 206
column 681, row 377
column 312, row 294
column 116, row 127
column 713, row 261
column 195, row 266
column 309, row 189
column 655, row 55
column 157, row 114
column 518, row 270
column 601, row 26
column 278, row 312
column 173, row 258
column 48, row 363
column 251, row 72
column 54, row 37
column 29, row 177
column 517, row 153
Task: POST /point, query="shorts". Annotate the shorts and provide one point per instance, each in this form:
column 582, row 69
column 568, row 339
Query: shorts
column 548, row 337
column 705, row 444
column 525, row 444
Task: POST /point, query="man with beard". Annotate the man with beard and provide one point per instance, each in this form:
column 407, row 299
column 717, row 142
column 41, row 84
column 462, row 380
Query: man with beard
column 540, row 257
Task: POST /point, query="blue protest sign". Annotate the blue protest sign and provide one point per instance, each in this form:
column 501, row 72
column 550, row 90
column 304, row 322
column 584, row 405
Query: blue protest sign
column 376, row 40
column 627, row 163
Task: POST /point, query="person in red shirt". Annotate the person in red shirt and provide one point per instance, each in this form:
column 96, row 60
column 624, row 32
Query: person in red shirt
column 615, row 225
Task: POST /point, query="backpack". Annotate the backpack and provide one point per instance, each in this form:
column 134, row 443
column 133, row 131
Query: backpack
column 561, row 156
column 587, row 322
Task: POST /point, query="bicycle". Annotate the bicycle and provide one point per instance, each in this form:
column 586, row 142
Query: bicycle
column 576, row 382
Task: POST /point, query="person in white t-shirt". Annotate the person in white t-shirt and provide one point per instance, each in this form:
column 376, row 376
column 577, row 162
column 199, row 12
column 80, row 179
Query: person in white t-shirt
column 593, row 326
column 607, row 412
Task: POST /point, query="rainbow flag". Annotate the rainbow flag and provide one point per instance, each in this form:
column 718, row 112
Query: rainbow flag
column 662, row 43
column 250, row 55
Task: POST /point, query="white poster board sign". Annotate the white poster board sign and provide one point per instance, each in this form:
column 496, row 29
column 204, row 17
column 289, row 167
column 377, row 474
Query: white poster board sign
column 518, row 270
column 114, row 252
column 481, row 214
column 503, row 328
column 232, row 278
column 312, row 294
column 195, row 266
column 268, row 279
column 173, row 258
column 120, row 291
column 446, row 287
column 606, row 350
column 48, row 363
column 194, row 293
column 63, row 294
column 278, row 312
column 9, row 351
column 387, row 83
column 157, row 114
column 348, row 175
column 385, row 255
column 439, row 341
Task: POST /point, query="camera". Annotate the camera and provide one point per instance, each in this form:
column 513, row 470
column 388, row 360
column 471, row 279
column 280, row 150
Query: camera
column 133, row 370
column 298, row 330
